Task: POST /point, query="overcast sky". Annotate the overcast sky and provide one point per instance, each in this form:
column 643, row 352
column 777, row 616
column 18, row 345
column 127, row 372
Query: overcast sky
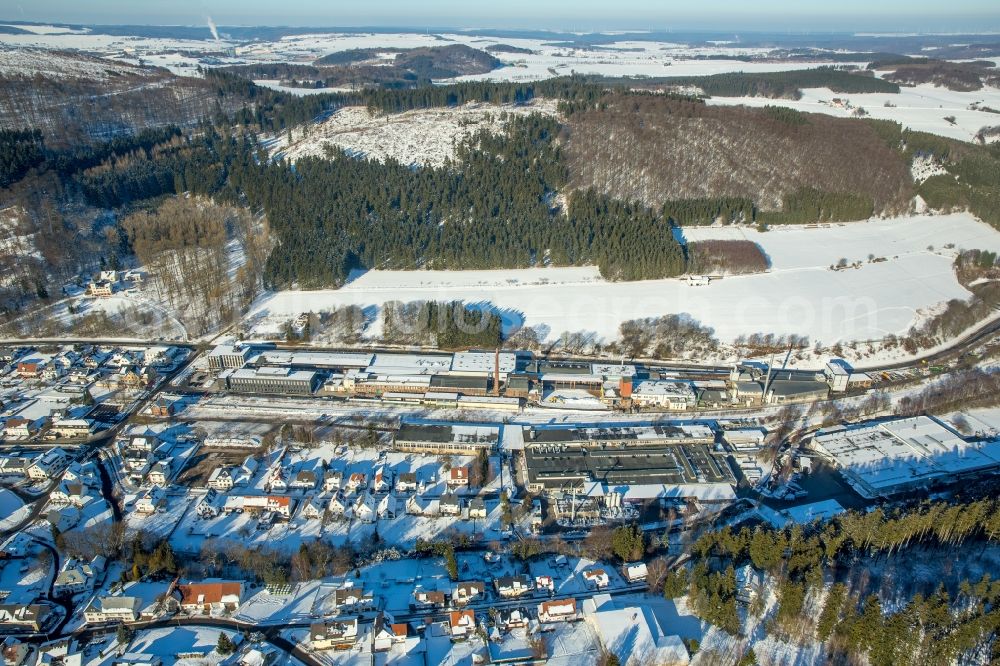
column 588, row 15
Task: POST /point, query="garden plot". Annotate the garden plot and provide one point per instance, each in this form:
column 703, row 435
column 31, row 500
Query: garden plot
column 423, row 136
column 799, row 295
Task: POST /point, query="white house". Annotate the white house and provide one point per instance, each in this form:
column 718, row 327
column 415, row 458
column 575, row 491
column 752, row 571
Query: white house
column 151, row 500
column 635, row 572
column 557, row 610
column 220, row 479
column 52, row 463
column 596, row 578
column 313, row 508
column 381, row 480
column 365, row 508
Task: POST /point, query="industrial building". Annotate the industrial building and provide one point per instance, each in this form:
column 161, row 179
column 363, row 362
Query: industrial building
column 665, row 394
column 447, row 439
column 880, row 459
column 611, row 435
column 228, row 356
column 271, row 380
column 662, row 455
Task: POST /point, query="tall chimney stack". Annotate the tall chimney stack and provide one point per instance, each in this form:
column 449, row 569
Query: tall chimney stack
column 496, row 373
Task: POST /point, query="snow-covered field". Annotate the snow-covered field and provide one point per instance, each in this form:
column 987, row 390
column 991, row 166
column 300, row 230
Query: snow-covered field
column 923, row 107
column 12, row 510
column 425, row 136
column 799, row 295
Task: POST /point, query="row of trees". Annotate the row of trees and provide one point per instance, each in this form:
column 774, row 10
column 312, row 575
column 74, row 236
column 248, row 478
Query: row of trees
column 447, row 325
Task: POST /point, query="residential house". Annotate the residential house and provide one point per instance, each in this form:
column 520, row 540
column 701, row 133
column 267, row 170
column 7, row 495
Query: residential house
column 14, row 652
column 477, row 508
column 144, row 443
column 596, row 578
column 332, row 480
column 512, row 618
column 256, row 504
column 449, row 504
column 76, row 576
column 545, row 583
column 338, row 506
column 386, row 632
column 513, row 586
column 24, row 617
column 208, row 507
column 458, row 477
column 557, row 610
column 387, row 507
column 210, row 597
column 63, row 518
column 71, row 492
column 162, row 407
column 70, row 429
column 19, row 428
column 357, row 482
column 462, row 623
column 749, row 583
column 381, row 480
column 418, row 506
column 406, row 482
column 14, row 466
column 29, row 369
column 277, row 480
column 160, row 473
column 52, row 463
column 220, row 479
column 351, row 599
column 635, row 572
column 365, row 508
column 468, row 592
column 112, row 609
column 428, row 599
column 245, row 473
column 304, row 479
column 313, row 508
column 151, row 501
column 334, row 634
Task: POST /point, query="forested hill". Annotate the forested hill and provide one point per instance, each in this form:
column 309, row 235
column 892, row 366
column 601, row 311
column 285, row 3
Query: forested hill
column 656, row 149
column 74, row 99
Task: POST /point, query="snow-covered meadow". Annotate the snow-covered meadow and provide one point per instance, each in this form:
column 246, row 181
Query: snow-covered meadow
column 800, row 294
column 922, row 108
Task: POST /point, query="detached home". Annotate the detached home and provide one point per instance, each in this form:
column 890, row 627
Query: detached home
column 210, row 598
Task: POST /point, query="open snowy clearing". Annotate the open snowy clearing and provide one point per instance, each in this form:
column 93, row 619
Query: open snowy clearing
column 799, row 295
column 12, row 510
column 923, row 107
column 426, row 136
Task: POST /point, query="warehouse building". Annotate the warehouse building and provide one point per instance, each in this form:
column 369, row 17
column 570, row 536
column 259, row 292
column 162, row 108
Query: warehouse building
column 662, row 456
column 605, row 436
column 457, row 438
column 881, row 459
column 272, row 380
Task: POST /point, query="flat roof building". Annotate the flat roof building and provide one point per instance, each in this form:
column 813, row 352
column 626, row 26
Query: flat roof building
column 272, row 380
column 447, row 439
column 880, row 459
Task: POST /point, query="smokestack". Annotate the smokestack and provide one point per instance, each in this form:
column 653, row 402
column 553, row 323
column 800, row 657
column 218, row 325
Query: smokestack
column 213, row 29
column 496, row 373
